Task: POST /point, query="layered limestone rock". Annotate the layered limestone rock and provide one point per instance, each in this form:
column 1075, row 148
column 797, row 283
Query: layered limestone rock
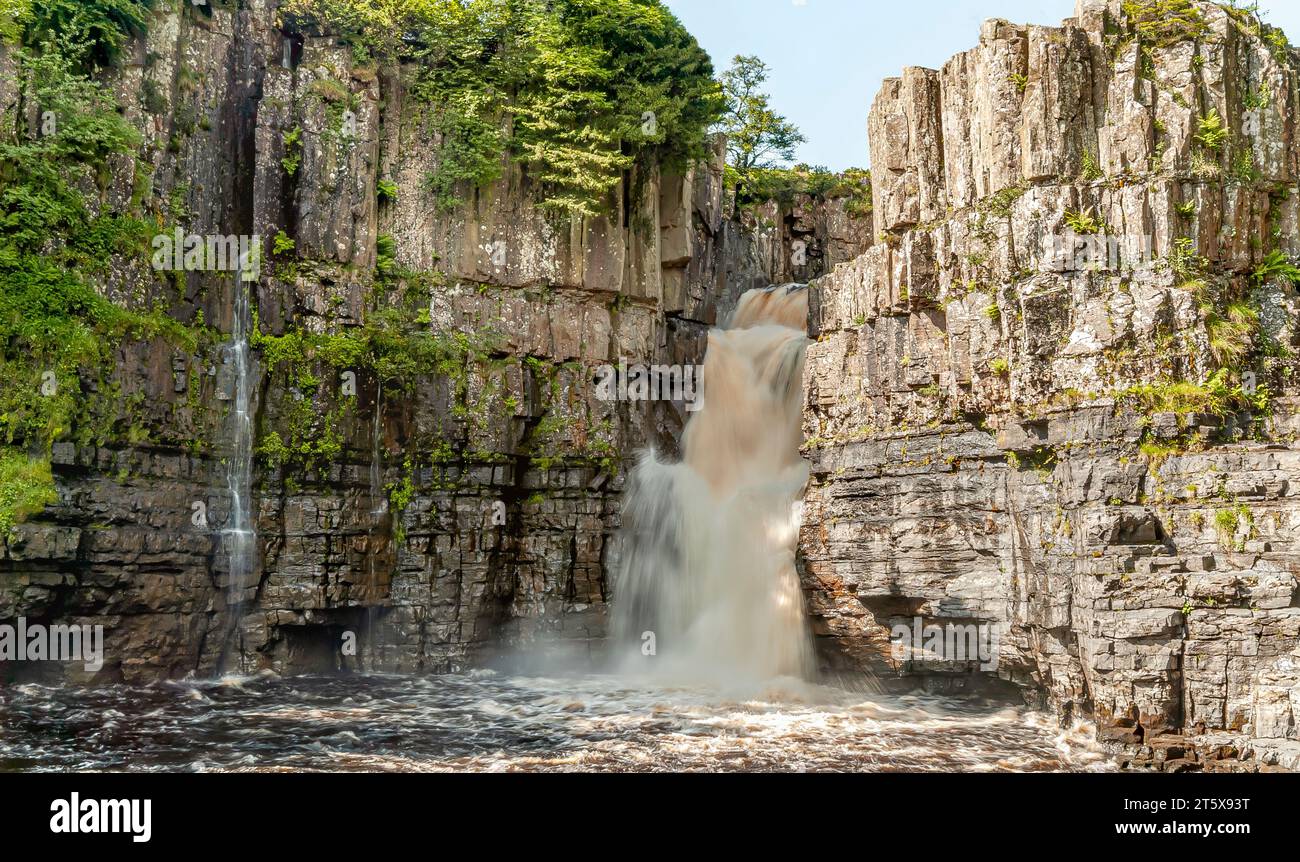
column 799, row 241
column 439, row 518
column 993, row 410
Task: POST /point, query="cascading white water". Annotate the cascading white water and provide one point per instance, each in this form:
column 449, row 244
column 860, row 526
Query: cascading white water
column 239, row 537
column 707, row 554
column 370, row 592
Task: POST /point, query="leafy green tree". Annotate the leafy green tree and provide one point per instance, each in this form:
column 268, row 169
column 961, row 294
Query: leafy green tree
column 576, row 90
column 758, row 138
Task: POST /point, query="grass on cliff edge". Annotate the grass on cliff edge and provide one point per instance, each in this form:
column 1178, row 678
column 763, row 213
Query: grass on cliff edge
column 1166, row 22
column 26, row 487
column 1217, row 397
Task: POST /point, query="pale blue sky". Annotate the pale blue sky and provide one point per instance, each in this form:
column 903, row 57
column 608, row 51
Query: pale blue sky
column 828, row 57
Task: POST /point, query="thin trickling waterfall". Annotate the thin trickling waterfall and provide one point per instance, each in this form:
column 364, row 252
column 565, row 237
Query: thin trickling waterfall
column 378, row 499
column 378, row 509
column 706, row 586
column 239, row 538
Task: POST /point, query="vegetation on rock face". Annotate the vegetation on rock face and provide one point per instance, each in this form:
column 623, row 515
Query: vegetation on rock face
column 783, row 184
column 89, row 32
column 395, row 347
column 1083, row 223
column 1234, row 526
column 1182, row 397
column 57, row 332
column 26, row 487
column 1210, row 131
column 1276, row 265
column 578, row 91
column 1231, row 318
column 1165, row 22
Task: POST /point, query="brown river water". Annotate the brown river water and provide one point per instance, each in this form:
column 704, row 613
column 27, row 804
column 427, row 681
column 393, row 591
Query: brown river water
column 489, row 722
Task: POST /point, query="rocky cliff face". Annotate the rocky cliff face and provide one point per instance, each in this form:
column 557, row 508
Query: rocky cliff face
column 1055, row 398
column 438, row 517
column 1029, row 406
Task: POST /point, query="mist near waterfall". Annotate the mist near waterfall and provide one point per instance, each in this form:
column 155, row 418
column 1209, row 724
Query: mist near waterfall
column 706, row 589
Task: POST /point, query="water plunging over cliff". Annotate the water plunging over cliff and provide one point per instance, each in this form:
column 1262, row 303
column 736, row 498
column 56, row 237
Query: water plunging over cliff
column 239, row 538
column 371, row 592
column 706, row 585
column 378, row 499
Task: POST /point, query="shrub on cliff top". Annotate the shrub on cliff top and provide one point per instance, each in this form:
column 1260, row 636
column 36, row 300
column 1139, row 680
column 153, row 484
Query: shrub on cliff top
column 576, row 90
column 1165, row 22
column 784, row 184
column 1247, row 19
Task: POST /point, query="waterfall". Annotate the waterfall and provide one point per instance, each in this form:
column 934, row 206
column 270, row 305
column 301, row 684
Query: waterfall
column 370, row 593
column 378, row 499
column 706, row 587
column 239, row 538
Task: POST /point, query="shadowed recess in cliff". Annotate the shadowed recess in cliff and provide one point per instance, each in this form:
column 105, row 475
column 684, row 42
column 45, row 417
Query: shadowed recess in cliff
column 706, row 586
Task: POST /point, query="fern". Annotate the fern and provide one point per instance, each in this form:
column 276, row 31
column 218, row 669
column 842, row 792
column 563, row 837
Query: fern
column 1211, row 132
column 1084, row 223
column 1276, row 266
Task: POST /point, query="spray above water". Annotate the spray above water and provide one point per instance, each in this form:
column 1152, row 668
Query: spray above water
column 706, row 587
